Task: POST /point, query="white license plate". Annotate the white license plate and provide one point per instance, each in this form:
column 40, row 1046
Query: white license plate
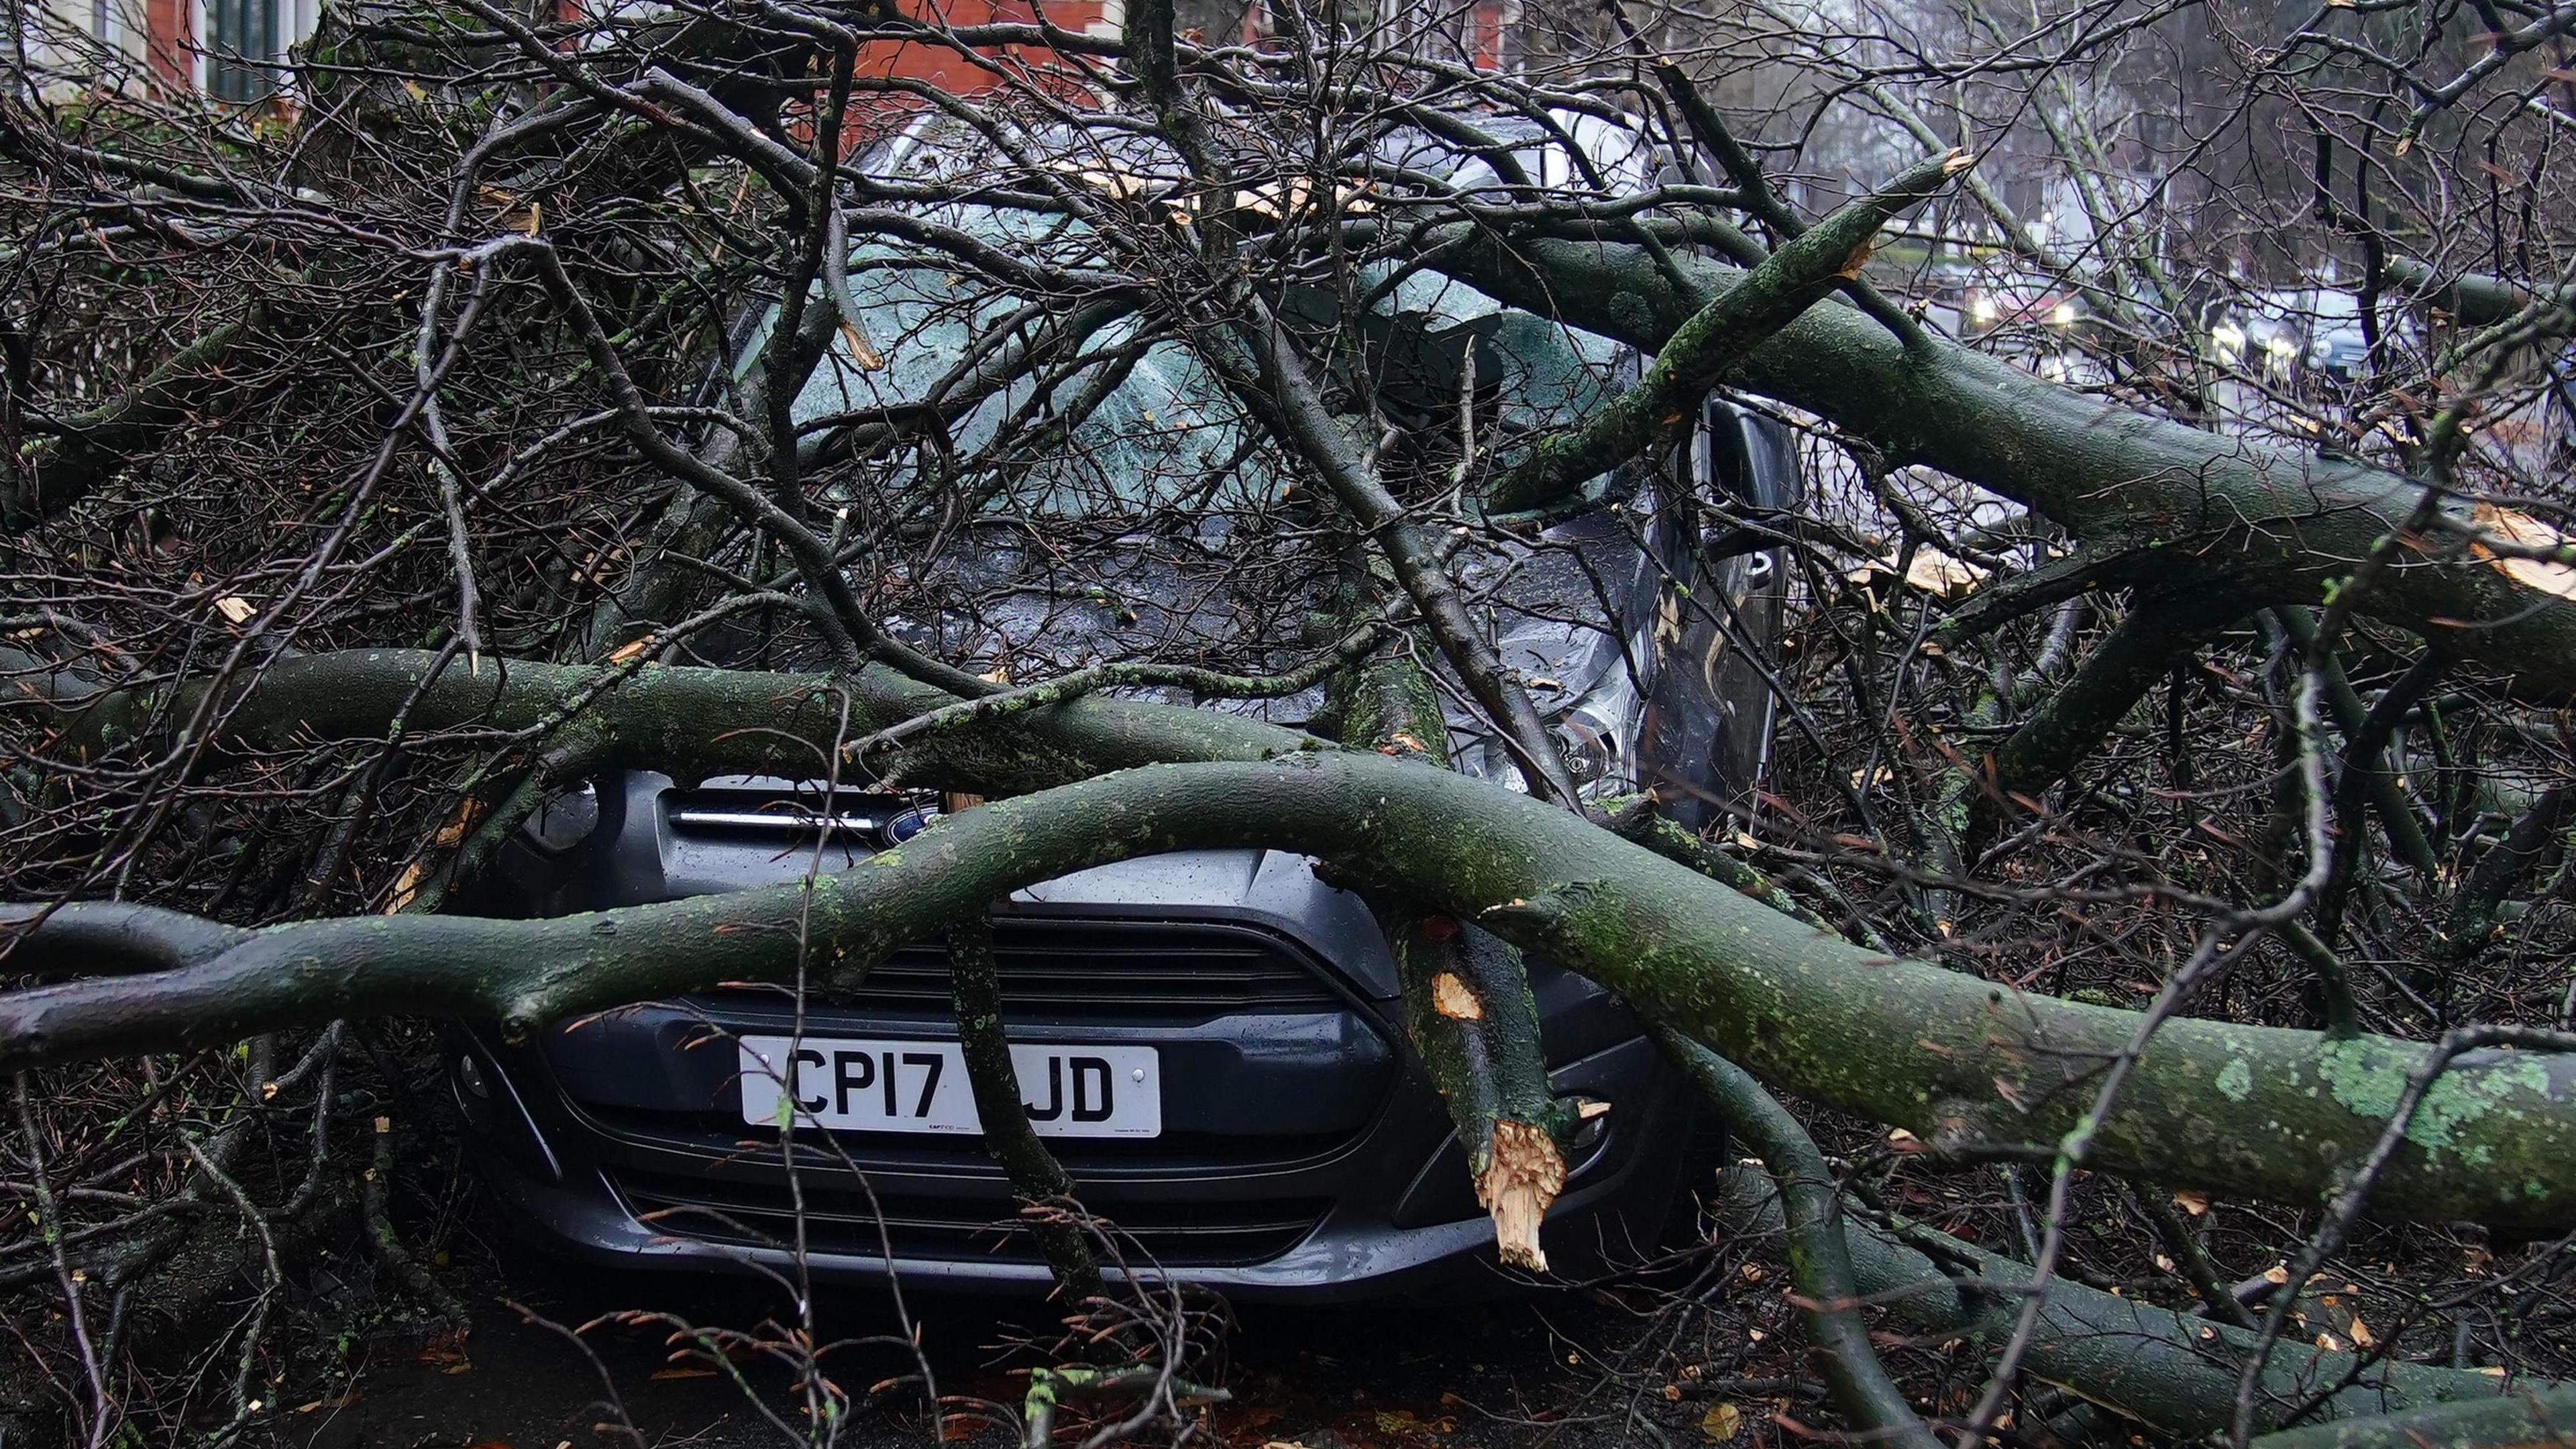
column 921, row 1086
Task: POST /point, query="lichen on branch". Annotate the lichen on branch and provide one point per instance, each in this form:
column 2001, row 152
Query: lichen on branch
column 2260, row 1111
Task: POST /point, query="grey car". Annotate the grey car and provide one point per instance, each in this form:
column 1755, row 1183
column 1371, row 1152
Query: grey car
column 1212, row 1042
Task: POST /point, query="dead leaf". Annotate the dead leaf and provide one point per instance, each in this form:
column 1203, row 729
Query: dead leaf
column 1720, row 1423
column 235, row 609
column 511, row 212
column 2194, row 1203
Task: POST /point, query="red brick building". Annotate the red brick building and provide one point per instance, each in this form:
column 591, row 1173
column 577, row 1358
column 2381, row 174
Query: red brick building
column 237, row 50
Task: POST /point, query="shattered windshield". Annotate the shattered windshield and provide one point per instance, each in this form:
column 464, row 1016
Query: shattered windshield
column 1130, row 423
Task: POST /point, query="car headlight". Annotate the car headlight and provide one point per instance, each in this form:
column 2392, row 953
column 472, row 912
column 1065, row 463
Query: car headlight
column 1595, row 756
column 2062, row 315
column 1983, row 309
column 1591, row 755
column 2229, row 339
column 2281, row 347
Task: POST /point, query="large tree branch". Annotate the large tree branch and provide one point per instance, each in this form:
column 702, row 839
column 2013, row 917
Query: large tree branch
column 1704, row 348
column 57, row 472
column 2262, row 1111
column 1819, row 1255
column 2523, row 1418
column 1467, row 1001
column 2278, row 521
column 2159, row 633
column 983, row 1039
column 2475, row 298
column 682, row 720
column 1281, row 389
column 2169, row 1371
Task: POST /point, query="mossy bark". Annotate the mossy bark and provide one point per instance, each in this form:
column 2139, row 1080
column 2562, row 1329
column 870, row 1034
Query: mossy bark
column 1706, row 345
column 2167, row 1370
column 1468, row 1005
column 2278, row 521
column 2259, row 1111
column 682, row 721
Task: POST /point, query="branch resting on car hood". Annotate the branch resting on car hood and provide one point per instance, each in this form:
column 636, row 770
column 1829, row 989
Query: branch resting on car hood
column 1965, row 1063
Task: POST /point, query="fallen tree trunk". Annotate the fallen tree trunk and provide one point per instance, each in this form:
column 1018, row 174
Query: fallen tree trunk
column 2170, row 1371
column 2475, row 298
column 2525, row 1417
column 2260, row 1111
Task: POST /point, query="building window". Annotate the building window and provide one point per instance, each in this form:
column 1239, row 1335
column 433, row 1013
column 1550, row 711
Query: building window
column 244, row 41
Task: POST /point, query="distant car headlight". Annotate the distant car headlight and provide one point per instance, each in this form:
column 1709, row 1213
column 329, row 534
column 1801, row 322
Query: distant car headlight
column 1983, row 310
column 2280, row 347
column 2062, row 315
column 2229, row 339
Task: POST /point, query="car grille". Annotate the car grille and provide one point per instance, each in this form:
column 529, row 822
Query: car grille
column 1122, row 970
column 847, row 1222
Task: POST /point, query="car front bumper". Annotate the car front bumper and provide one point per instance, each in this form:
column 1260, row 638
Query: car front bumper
column 1309, row 1157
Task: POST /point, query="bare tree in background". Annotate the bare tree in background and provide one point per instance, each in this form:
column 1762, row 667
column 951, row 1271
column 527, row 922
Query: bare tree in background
column 2158, row 898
